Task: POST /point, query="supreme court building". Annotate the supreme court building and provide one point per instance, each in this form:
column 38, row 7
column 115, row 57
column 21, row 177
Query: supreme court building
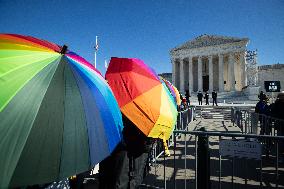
column 210, row 62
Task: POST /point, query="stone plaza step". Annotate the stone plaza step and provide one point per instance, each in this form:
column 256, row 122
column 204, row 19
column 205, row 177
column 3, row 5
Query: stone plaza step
column 218, row 112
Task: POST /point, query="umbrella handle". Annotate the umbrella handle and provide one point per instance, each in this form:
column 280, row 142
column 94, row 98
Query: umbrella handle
column 167, row 152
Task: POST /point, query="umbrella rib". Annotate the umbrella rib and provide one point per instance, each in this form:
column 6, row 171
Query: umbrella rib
column 143, row 112
column 125, row 86
column 165, row 126
column 62, row 139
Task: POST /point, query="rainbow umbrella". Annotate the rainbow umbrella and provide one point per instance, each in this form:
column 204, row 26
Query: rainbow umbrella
column 142, row 97
column 173, row 90
column 177, row 94
column 58, row 116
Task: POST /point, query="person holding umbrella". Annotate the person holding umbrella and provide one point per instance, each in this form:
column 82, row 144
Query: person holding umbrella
column 124, row 168
column 143, row 118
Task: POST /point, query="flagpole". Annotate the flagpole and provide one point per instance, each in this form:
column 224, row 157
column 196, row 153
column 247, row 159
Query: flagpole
column 95, row 59
column 96, row 49
column 106, row 64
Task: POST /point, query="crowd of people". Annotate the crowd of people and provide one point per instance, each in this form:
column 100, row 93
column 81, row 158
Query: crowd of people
column 268, row 112
column 206, row 97
column 263, row 108
column 185, row 100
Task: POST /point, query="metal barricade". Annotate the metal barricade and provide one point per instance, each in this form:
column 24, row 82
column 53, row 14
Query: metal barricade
column 253, row 123
column 183, row 119
column 236, row 161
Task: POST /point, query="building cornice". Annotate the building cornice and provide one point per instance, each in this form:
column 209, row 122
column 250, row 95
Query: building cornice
column 236, row 47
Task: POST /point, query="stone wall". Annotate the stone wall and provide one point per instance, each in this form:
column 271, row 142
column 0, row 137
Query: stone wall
column 274, row 72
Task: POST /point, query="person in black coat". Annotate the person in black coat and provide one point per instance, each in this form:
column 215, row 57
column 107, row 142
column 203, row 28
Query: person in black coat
column 214, row 96
column 125, row 167
column 262, row 109
column 113, row 171
column 187, row 95
column 261, row 95
column 206, row 97
column 199, row 97
column 277, row 112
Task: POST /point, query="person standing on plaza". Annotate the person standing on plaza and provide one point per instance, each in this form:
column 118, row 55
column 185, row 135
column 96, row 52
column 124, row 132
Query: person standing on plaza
column 187, row 95
column 261, row 95
column 183, row 105
column 214, row 96
column 277, row 112
column 199, row 97
column 206, row 97
column 261, row 109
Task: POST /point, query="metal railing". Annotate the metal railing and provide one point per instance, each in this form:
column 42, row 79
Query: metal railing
column 235, row 171
column 183, row 119
column 254, row 123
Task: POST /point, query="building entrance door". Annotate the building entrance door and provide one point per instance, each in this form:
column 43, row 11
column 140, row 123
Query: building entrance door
column 206, row 83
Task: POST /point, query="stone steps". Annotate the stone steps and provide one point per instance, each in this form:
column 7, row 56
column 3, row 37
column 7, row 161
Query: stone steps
column 235, row 97
column 217, row 112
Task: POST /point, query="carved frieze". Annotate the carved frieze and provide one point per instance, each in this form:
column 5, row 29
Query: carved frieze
column 209, row 40
column 210, row 50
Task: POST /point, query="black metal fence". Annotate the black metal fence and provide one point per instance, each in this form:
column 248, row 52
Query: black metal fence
column 183, row 119
column 254, row 123
column 253, row 158
column 203, row 160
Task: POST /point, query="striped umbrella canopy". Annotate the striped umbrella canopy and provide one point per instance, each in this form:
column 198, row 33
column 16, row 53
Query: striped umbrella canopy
column 142, row 97
column 58, row 116
column 177, row 94
column 173, row 90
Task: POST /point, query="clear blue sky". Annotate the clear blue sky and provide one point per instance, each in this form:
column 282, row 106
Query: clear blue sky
column 146, row 29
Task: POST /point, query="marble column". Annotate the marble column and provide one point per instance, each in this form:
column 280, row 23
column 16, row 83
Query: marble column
column 243, row 69
column 231, row 72
column 190, row 75
column 173, row 72
column 210, row 67
column 181, row 87
column 221, row 72
column 199, row 72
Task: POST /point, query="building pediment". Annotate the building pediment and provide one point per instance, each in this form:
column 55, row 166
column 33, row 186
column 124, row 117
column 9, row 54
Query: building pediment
column 209, row 40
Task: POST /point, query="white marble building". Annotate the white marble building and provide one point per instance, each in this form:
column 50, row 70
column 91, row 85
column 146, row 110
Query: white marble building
column 210, row 62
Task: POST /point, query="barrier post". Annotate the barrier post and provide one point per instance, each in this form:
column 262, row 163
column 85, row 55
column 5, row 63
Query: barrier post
column 203, row 162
